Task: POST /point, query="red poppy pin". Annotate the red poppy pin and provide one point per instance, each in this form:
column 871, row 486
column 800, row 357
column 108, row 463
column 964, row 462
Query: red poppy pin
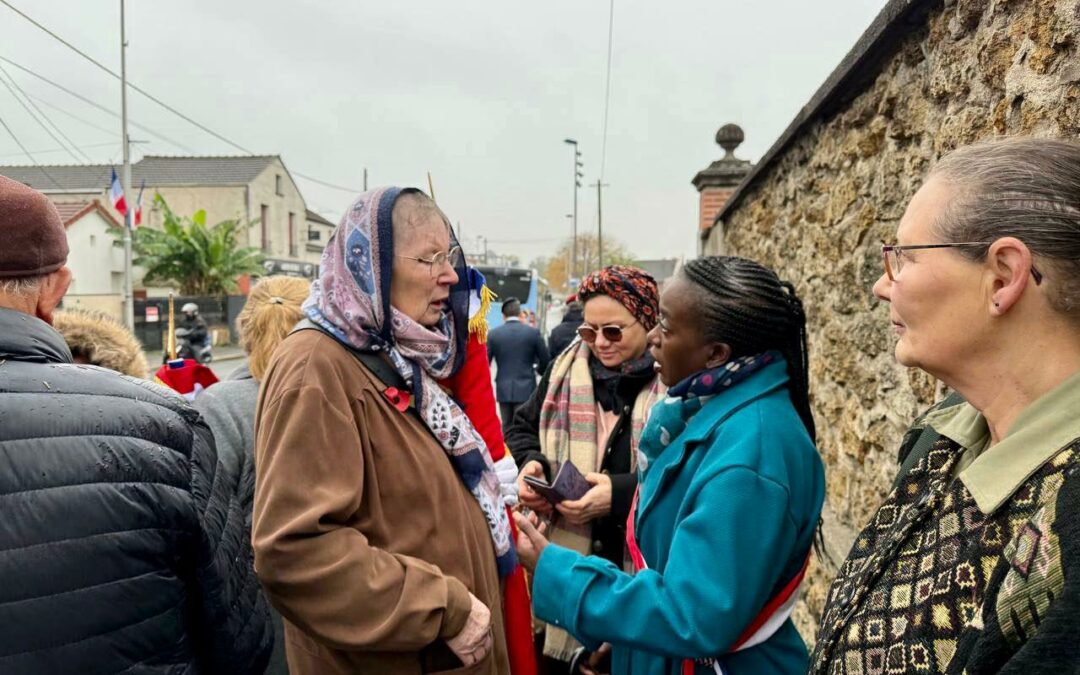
column 399, row 399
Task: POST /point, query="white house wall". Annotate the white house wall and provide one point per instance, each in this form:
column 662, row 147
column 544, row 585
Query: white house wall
column 97, row 265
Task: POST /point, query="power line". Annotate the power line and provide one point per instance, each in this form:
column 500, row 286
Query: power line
column 607, row 90
column 350, row 190
column 42, row 124
column 27, row 152
column 41, row 112
column 148, row 95
column 61, row 149
column 523, row 241
column 117, row 76
column 96, row 104
column 111, row 132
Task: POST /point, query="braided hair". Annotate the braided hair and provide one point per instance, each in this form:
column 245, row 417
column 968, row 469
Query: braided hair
column 746, row 306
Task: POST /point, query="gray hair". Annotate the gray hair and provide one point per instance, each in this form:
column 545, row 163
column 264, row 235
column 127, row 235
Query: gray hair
column 1027, row 188
column 20, row 286
column 413, row 207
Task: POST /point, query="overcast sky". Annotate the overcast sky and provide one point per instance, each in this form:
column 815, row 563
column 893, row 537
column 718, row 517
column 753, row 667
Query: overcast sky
column 480, row 93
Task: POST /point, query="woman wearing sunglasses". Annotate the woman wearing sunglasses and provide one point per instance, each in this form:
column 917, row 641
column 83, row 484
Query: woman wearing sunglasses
column 972, row 562
column 730, row 493
column 589, row 409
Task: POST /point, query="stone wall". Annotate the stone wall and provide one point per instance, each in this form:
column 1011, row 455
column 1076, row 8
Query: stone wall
column 832, row 190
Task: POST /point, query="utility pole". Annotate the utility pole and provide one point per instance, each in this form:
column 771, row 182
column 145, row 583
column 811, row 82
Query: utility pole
column 600, row 222
column 129, row 295
column 365, row 179
column 578, row 164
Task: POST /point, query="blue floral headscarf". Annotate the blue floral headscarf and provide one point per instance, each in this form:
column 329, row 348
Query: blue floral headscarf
column 351, row 301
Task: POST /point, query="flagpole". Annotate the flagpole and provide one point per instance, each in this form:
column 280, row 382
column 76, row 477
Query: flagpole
column 129, row 295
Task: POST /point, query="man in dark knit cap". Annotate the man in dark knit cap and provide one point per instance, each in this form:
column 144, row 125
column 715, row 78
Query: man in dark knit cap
column 119, row 549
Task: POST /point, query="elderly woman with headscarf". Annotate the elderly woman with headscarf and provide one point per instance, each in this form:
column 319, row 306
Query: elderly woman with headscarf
column 589, row 409
column 972, row 562
column 379, row 529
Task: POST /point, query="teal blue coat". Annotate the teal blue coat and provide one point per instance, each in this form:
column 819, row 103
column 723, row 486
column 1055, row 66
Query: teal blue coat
column 725, row 519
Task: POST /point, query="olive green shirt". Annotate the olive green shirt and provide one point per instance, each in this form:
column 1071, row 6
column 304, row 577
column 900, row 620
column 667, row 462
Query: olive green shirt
column 992, row 473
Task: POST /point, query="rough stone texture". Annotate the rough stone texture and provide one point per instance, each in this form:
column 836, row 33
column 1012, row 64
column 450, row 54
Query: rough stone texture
column 819, row 211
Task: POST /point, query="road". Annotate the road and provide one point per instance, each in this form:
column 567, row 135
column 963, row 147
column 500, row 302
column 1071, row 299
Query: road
column 225, row 368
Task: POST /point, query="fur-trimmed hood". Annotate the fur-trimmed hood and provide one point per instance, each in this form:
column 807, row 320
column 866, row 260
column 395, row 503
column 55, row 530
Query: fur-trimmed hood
column 102, row 341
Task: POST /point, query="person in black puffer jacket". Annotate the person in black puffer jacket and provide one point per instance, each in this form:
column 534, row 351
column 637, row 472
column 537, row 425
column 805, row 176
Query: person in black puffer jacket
column 563, row 334
column 122, row 544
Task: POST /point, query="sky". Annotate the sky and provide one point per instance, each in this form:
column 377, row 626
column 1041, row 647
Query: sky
column 481, row 94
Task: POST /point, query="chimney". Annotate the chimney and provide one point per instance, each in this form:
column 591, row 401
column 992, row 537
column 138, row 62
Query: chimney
column 717, row 183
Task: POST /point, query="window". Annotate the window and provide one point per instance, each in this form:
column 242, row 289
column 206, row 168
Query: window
column 313, row 234
column 93, row 240
column 277, row 186
column 293, row 250
column 264, row 222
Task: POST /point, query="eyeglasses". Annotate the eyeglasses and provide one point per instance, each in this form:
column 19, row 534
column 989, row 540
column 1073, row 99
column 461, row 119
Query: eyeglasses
column 453, row 256
column 611, row 332
column 894, row 259
column 661, row 321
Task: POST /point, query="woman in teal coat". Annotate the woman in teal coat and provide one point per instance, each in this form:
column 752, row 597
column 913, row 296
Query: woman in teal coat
column 731, row 488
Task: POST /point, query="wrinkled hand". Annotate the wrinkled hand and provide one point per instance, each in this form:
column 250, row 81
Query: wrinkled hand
column 526, row 494
column 530, row 541
column 595, row 503
column 507, row 472
column 475, row 640
column 592, row 664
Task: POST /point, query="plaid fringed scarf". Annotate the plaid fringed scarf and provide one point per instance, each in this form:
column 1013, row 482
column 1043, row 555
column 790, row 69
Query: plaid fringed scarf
column 568, row 430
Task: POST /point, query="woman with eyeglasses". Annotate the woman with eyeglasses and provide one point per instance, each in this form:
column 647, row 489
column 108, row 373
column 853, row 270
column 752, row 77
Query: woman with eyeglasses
column 380, row 531
column 972, row 562
column 731, row 488
column 589, row 409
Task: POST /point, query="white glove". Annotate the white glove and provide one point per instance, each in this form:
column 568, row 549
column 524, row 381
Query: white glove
column 507, row 472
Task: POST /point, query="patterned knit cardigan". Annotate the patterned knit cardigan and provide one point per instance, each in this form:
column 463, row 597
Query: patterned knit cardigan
column 932, row 585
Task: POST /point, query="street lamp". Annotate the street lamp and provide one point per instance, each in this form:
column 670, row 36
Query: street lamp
column 578, row 164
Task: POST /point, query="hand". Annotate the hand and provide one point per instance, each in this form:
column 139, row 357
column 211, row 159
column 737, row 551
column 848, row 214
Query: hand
column 475, row 640
column 592, row 663
column 595, row 503
column 530, row 541
column 526, row 494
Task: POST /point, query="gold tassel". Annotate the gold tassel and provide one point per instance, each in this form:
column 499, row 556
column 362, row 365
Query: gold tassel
column 478, row 325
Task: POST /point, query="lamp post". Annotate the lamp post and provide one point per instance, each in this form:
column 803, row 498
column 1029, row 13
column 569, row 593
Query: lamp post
column 577, row 183
column 125, row 177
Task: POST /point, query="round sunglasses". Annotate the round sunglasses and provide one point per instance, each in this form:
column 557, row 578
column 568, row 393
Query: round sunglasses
column 611, row 332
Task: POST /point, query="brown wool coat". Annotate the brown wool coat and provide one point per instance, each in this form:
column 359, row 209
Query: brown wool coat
column 365, row 538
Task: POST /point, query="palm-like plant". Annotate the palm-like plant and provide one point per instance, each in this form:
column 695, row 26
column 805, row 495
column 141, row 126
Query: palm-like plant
column 200, row 259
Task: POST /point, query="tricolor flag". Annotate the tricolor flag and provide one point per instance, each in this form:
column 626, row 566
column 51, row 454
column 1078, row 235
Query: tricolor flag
column 138, row 204
column 116, row 193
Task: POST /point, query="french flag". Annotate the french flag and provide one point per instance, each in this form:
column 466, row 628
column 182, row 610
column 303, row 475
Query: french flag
column 138, row 205
column 116, row 193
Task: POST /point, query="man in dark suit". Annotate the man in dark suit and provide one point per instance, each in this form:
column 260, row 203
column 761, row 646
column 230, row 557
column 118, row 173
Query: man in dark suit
column 563, row 334
column 519, row 351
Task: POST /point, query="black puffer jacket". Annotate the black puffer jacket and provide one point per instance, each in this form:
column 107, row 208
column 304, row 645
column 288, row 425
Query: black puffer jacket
column 563, row 334
column 122, row 540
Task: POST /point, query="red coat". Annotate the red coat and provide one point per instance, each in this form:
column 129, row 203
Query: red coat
column 471, row 387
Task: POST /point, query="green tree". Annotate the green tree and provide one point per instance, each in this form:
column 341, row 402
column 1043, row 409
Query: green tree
column 200, row 259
